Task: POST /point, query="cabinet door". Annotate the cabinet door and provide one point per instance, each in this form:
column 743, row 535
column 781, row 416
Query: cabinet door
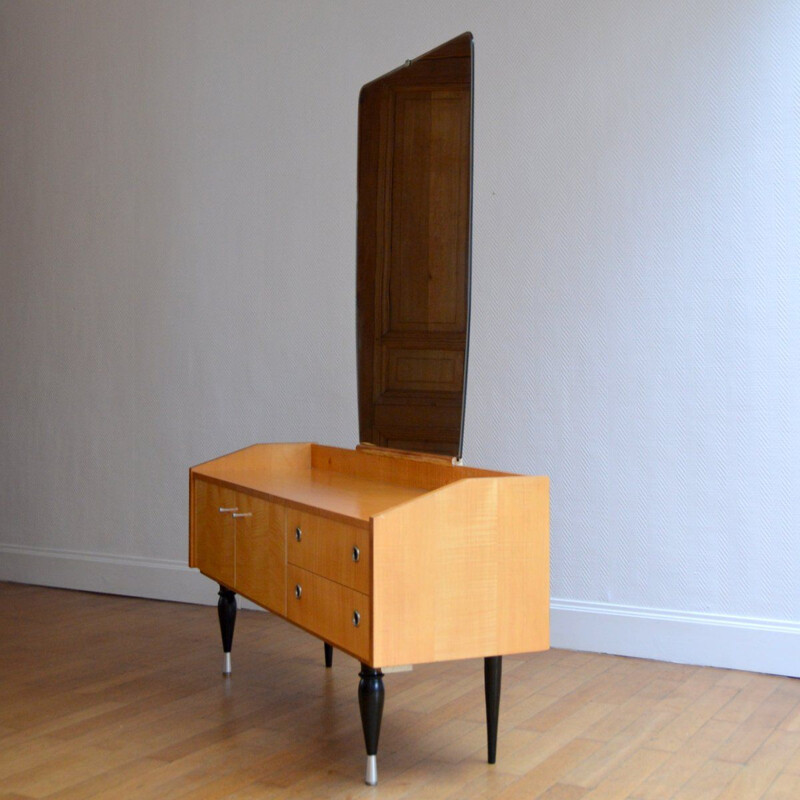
column 261, row 552
column 214, row 526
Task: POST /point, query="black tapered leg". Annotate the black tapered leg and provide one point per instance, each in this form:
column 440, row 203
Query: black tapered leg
column 370, row 701
column 226, row 610
column 328, row 655
column 492, row 669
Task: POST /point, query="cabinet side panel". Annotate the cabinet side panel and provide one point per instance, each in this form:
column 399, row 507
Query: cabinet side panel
column 463, row 572
column 523, row 544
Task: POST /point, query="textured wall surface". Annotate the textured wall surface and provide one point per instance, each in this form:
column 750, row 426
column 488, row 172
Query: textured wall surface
column 177, row 256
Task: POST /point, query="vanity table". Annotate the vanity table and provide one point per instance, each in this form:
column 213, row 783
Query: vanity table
column 395, row 556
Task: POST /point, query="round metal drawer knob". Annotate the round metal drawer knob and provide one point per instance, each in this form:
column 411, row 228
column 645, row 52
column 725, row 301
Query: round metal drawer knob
column 298, row 533
column 298, row 591
column 356, row 554
column 356, row 619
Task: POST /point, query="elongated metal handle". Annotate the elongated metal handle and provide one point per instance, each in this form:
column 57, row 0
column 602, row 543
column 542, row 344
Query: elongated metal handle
column 356, row 553
column 242, row 514
column 298, row 591
column 227, row 510
column 298, row 533
column 356, row 619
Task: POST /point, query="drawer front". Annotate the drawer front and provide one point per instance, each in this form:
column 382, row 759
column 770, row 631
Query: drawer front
column 331, row 549
column 329, row 610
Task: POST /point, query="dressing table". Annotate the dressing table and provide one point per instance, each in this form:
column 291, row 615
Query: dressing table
column 392, row 552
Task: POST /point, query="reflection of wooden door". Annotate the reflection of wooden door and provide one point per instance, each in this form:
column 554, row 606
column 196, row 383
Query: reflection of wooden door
column 413, row 251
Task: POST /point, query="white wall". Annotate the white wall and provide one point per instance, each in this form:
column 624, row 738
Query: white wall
column 177, row 239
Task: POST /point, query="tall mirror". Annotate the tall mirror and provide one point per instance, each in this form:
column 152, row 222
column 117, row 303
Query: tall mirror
column 414, row 250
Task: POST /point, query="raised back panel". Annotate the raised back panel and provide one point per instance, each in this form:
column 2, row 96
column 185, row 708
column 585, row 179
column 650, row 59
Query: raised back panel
column 414, row 201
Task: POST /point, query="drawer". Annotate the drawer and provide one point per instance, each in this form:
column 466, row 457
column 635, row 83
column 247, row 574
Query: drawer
column 329, row 610
column 331, row 549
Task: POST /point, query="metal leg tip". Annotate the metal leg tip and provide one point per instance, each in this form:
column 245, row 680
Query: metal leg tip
column 371, row 777
column 226, row 664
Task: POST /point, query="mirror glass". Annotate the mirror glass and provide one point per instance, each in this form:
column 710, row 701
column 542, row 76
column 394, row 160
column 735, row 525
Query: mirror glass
column 413, row 251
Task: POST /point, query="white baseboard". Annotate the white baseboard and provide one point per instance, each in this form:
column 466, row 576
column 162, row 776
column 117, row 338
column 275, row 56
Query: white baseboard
column 153, row 578
column 714, row 640
column 758, row 645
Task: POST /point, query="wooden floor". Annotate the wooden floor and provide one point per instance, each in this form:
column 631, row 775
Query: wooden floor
column 113, row 697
